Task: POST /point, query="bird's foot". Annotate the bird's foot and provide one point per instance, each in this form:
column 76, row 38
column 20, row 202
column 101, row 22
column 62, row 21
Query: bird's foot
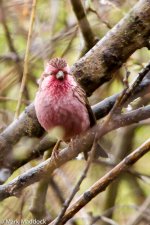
column 55, row 152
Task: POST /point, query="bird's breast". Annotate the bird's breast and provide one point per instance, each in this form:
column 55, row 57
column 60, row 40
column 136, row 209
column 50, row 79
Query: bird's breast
column 59, row 108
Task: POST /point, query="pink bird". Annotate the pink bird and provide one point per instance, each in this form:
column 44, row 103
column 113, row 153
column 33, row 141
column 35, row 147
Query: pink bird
column 61, row 102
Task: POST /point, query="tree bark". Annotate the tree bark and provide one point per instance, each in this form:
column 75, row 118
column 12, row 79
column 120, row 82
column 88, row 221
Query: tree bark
column 108, row 55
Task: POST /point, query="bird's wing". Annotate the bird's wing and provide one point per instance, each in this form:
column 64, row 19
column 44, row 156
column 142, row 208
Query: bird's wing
column 81, row 95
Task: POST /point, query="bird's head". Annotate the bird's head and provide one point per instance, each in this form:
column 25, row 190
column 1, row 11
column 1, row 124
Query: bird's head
column 58, row 68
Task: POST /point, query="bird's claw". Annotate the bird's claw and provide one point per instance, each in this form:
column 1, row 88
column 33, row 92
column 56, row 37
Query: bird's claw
column 55, row 152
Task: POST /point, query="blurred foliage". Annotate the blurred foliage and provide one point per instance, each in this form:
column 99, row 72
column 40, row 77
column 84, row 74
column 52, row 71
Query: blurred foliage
column 56, row 34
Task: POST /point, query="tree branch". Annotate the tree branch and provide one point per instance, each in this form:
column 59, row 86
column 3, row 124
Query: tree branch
column 86, row 30
column 82, row 144
column 27, row 125
column 108, row 55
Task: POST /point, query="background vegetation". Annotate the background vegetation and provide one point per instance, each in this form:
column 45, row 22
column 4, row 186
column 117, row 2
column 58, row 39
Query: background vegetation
column 56, row 33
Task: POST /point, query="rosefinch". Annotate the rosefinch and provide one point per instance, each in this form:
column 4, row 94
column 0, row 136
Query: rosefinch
column 61, row 102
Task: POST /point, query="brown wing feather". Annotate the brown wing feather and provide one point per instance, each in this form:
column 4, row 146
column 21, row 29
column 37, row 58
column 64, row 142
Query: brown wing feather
column 81, row 95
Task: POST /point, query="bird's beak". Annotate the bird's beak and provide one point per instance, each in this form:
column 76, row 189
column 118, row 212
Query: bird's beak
column 60, row 75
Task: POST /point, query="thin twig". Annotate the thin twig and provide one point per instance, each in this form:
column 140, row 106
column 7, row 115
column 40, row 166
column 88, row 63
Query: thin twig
column 25, row 71
column 143, row 214
column 104, row 21
column 131, row 90
column 85, row 27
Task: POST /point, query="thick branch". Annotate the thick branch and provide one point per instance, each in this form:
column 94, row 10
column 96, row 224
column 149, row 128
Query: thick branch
column 26, row 125
column 130, row 34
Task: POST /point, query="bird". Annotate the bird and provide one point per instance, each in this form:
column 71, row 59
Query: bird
column 61, row 103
